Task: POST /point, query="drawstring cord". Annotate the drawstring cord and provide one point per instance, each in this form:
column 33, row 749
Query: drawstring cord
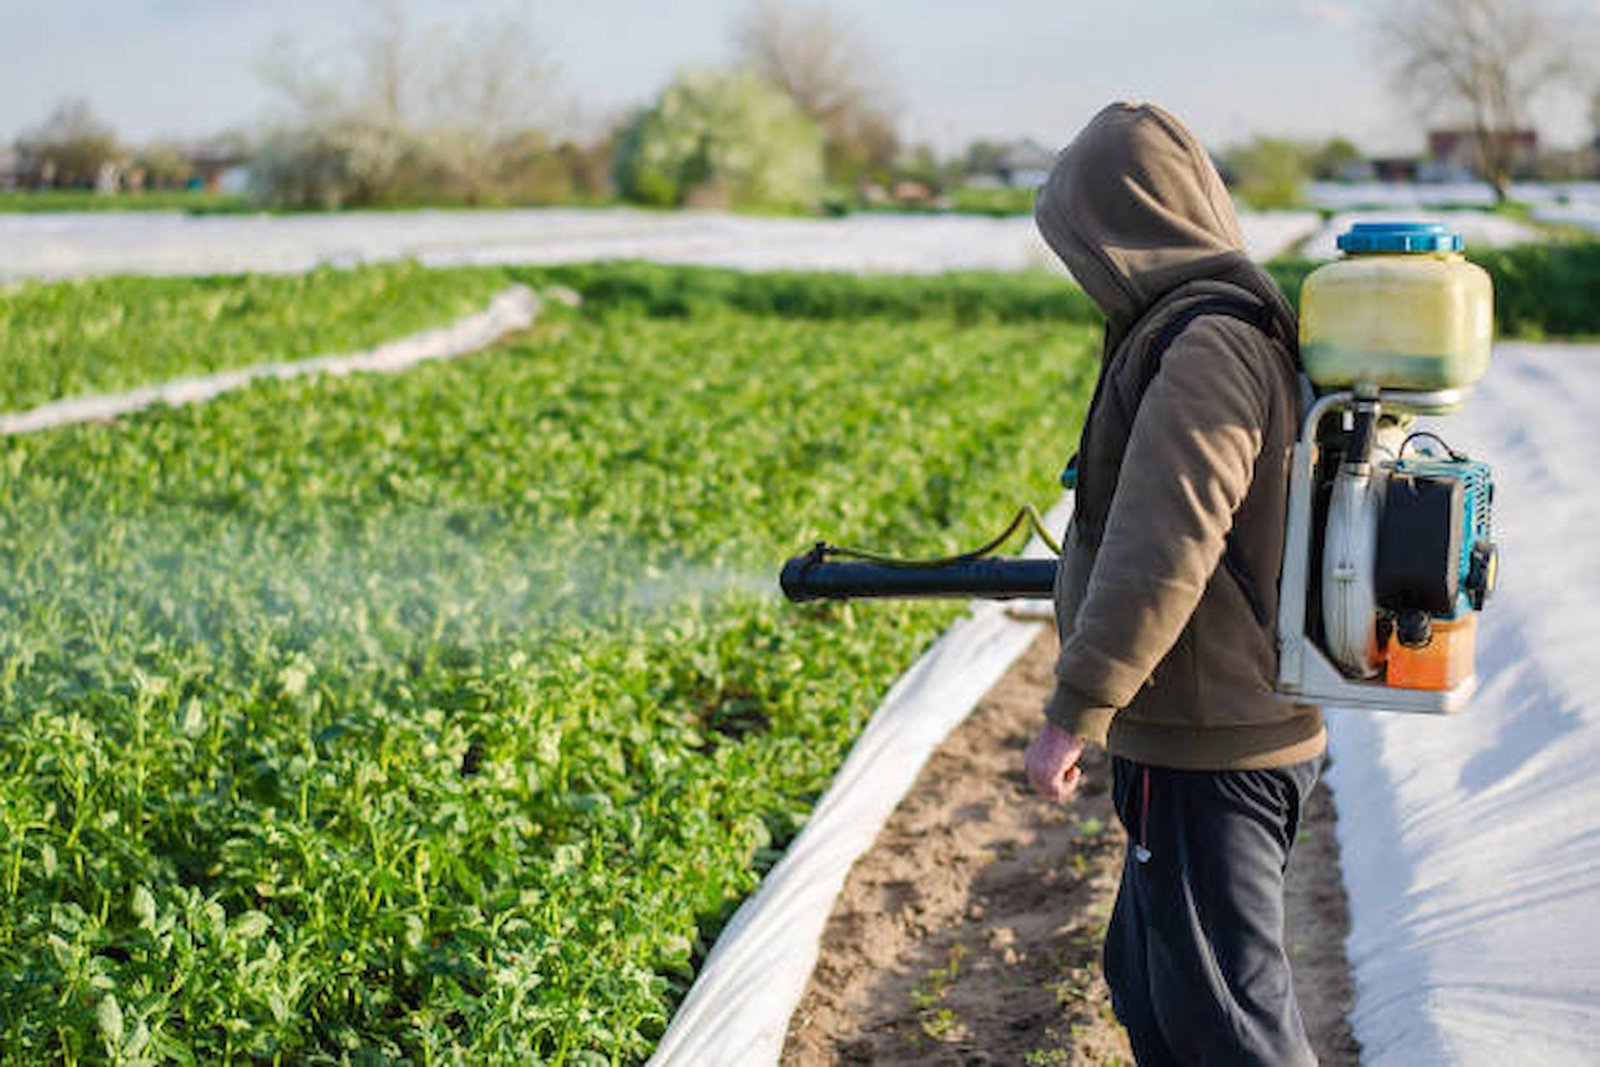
column 1141, row 852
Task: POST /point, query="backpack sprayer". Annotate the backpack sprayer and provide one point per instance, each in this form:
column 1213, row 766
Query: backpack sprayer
column 1389, row 554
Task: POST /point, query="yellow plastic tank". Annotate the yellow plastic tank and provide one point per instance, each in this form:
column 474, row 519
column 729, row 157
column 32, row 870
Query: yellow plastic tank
column 1401, row 309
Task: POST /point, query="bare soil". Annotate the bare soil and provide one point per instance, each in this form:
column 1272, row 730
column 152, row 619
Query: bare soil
column 970, row 933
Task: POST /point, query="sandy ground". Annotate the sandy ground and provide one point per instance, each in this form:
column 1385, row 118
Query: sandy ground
column 970, row 933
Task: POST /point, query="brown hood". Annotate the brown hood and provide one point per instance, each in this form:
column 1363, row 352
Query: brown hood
column 1135, row 208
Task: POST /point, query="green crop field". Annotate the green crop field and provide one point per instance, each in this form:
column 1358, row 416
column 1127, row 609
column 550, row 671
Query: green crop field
column 64, row 339
column 190, row 201
column 445, row 717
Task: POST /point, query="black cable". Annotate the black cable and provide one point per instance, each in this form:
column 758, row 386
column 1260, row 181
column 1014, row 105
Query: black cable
column 1452, row 453
column 1028, row 513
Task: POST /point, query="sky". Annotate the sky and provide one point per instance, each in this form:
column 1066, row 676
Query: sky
column 959, row 69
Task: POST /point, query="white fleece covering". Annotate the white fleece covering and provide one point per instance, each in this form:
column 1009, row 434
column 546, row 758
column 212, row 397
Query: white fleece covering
column 1471, row 846
column 94, row 243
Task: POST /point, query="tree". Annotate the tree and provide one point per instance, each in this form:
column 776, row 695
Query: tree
column 387, row 58
column 721, row 136
column 485, row 103
column 72, row 146
column 1268, row 171
column 831, row 71
column 920, row 163
column 1483, row 61
column 984, row 156
column 163, row 165
column 1334, row 157
column 451, row 113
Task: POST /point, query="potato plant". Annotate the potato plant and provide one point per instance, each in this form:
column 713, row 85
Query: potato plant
column 101, row 335
column 444, row 718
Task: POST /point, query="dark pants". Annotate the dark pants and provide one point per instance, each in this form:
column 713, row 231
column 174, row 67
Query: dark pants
column 1194, row 954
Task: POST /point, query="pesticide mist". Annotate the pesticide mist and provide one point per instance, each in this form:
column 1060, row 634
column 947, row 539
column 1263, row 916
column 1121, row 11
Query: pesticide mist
column 447, row 713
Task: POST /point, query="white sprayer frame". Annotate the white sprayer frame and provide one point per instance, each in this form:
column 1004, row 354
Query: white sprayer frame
column 1305, row 674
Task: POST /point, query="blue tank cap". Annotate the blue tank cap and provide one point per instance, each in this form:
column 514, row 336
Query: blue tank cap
column 1400, row 237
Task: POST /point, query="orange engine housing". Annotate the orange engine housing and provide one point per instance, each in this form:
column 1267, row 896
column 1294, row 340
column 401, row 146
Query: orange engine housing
column 1444, row 663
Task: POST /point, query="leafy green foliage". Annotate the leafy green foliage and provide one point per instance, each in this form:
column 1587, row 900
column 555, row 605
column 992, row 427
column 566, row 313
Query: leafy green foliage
column 725, row 135
column 445, row 717
column 1545, row 289
column 72, row 145
column 64, row 339
column 1290, row 273
column 963, row 296
column 1269, row 171
column 28, row 201
column 996, row 202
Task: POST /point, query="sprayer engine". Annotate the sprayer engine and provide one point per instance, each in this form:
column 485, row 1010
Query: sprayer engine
column 1408, row 557
column 1388, row 558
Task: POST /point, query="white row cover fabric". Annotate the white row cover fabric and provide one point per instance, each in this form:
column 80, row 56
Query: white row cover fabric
column 1471, row 845
column 737, row 1013
column 97, row 243
column 514, row 309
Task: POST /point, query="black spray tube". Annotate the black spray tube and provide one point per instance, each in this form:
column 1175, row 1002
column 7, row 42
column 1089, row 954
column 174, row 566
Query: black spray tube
column 814, row 577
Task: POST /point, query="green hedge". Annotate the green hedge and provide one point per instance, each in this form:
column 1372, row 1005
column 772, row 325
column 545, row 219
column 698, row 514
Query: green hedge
column 1540, row 290
column 1544, row 290
column 679, row 292
column 29, row 201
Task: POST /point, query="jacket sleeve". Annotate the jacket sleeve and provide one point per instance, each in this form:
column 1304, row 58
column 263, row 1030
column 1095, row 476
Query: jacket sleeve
column 1187, row 468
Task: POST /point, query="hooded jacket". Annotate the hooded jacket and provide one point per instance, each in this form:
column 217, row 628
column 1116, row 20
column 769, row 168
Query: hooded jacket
column 1166, row 596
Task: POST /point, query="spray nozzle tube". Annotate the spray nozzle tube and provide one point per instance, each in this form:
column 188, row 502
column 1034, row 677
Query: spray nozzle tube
column 814, row 576
column 830, row 572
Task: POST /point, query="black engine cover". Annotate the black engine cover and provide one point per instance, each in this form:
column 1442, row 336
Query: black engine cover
column 1419, row 544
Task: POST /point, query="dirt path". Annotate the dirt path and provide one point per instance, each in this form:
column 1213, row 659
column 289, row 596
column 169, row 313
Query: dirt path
column 970, row 933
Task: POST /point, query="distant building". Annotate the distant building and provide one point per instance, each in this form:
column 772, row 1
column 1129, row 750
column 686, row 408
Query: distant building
column 1446, row 172
column 1454, row 153
column 910, row 192
column 19, row 171
column 1024, row 164
column 1395, row 168
column 219, row 165
column 1357, row 170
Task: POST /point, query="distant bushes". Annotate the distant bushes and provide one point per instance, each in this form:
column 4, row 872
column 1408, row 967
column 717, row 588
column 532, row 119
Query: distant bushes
column 455, row 114
column 364, row 160
column 349, row 163
column 721, row 139
column 966, row 296
column 1290, row 274
column 1545, row 290
column 1549, row 290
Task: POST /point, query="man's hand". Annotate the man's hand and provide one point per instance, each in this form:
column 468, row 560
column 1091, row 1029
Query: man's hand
column 1052, row 762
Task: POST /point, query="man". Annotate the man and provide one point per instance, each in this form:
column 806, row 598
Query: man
column 1166, row 595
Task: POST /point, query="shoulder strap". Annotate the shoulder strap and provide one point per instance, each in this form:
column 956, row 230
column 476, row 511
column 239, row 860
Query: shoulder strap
column 1081, row 469
column 1253, row 312
column 1256, row 313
